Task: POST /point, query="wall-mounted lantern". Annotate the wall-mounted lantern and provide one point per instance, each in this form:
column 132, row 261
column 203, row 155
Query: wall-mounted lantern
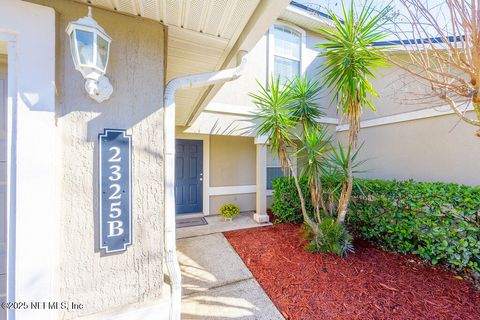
column 90, row 47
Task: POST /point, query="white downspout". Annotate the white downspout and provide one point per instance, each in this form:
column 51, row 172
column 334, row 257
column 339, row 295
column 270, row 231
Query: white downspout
column 191, row 81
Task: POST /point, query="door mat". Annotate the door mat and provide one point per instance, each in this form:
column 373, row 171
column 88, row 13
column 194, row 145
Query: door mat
column 191, row 222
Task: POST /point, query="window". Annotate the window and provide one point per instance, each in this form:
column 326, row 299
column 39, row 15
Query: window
column 274, row 170
column 287, row 50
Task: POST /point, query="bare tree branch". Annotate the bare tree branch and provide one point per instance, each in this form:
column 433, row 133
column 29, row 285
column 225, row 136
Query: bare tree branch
column 443, row 49
column 453, row 106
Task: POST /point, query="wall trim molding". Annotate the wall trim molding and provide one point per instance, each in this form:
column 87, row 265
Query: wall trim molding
column 261, row 139
column 233, row 109
column 11, row 186
column 236, row 109
column 403, row 117
column 228, row 190
column 21, row 24
column 328, row 120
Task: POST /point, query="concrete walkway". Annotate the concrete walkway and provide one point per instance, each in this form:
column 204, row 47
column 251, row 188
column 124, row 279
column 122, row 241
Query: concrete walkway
column 218, row 224
column 217, row 284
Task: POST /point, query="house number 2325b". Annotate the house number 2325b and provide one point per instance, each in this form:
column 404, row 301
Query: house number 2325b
column 115, row 181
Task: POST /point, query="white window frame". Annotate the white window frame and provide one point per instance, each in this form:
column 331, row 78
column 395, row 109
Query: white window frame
column 270, row 152
column 271, row 47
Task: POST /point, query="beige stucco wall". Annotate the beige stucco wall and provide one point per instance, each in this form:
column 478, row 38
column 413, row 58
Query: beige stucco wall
column 232, row 161
column 399, row 92
column 236, row 92
column 269, row 201
column 440, row 148
column 102, row 282
column 436, row 148
column 433, row 149
column 246, row 202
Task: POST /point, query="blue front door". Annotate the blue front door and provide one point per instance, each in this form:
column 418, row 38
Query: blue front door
column 188, row 176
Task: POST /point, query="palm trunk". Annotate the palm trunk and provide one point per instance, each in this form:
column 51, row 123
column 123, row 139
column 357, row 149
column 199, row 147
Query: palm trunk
column 320, row 195
column 315, row 201
column 316, row 205
column 316, row 193
column 331, row 204
column 313, row 226
column 345, row 198
column 354, row 128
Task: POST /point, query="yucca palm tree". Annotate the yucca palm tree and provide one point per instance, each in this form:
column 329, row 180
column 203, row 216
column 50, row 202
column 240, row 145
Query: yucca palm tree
column 275, row 121
column 351, row 63
column 316, row 145
column 305, row 107
column 314, row 140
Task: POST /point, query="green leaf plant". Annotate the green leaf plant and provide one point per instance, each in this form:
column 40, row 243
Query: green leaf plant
column 351, row 63
column 289, row 115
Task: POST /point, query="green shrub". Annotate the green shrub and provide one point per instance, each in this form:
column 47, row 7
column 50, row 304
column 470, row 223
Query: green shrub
column 286, row 203
column 437, row 221
column 333, row 238
column 229, row 211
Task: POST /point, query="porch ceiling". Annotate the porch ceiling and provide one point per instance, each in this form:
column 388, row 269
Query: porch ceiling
column 202, row 35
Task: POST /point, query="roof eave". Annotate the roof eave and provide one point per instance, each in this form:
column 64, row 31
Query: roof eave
column 304, row 18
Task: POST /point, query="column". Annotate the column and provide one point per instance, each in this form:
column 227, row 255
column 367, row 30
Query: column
column 260, row 215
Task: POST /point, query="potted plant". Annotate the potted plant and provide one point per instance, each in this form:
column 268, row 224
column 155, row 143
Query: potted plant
column 229, row 211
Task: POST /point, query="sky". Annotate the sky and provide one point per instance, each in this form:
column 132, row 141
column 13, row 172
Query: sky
column 437, row 8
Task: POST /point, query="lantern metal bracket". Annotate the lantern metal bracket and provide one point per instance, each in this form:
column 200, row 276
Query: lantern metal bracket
column 99, row 90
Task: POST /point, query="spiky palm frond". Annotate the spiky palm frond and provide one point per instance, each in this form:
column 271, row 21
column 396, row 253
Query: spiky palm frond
column 342, row 161
column 273, row 118
column 305, row 107
column 316, row 145
column 352, row 60
column 332, row 238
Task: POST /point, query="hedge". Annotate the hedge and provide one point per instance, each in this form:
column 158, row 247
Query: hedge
column 286, row 203
column 437, row 221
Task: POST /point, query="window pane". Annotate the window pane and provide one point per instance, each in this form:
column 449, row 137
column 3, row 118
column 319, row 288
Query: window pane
column 102, row 51
column 285, row 69
column 287, row 42
column 85, row 46
column 273, row 173
column 272, row 159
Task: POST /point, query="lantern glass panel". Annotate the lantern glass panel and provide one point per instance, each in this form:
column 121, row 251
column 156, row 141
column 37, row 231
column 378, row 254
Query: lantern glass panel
column 85, row 46
column 102, row 53
column 73, row 48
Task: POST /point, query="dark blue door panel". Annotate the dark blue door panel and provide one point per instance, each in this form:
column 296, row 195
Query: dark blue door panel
column 188, row 176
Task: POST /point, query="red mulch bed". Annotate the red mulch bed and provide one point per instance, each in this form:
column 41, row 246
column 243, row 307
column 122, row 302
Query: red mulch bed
column 370, row 284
